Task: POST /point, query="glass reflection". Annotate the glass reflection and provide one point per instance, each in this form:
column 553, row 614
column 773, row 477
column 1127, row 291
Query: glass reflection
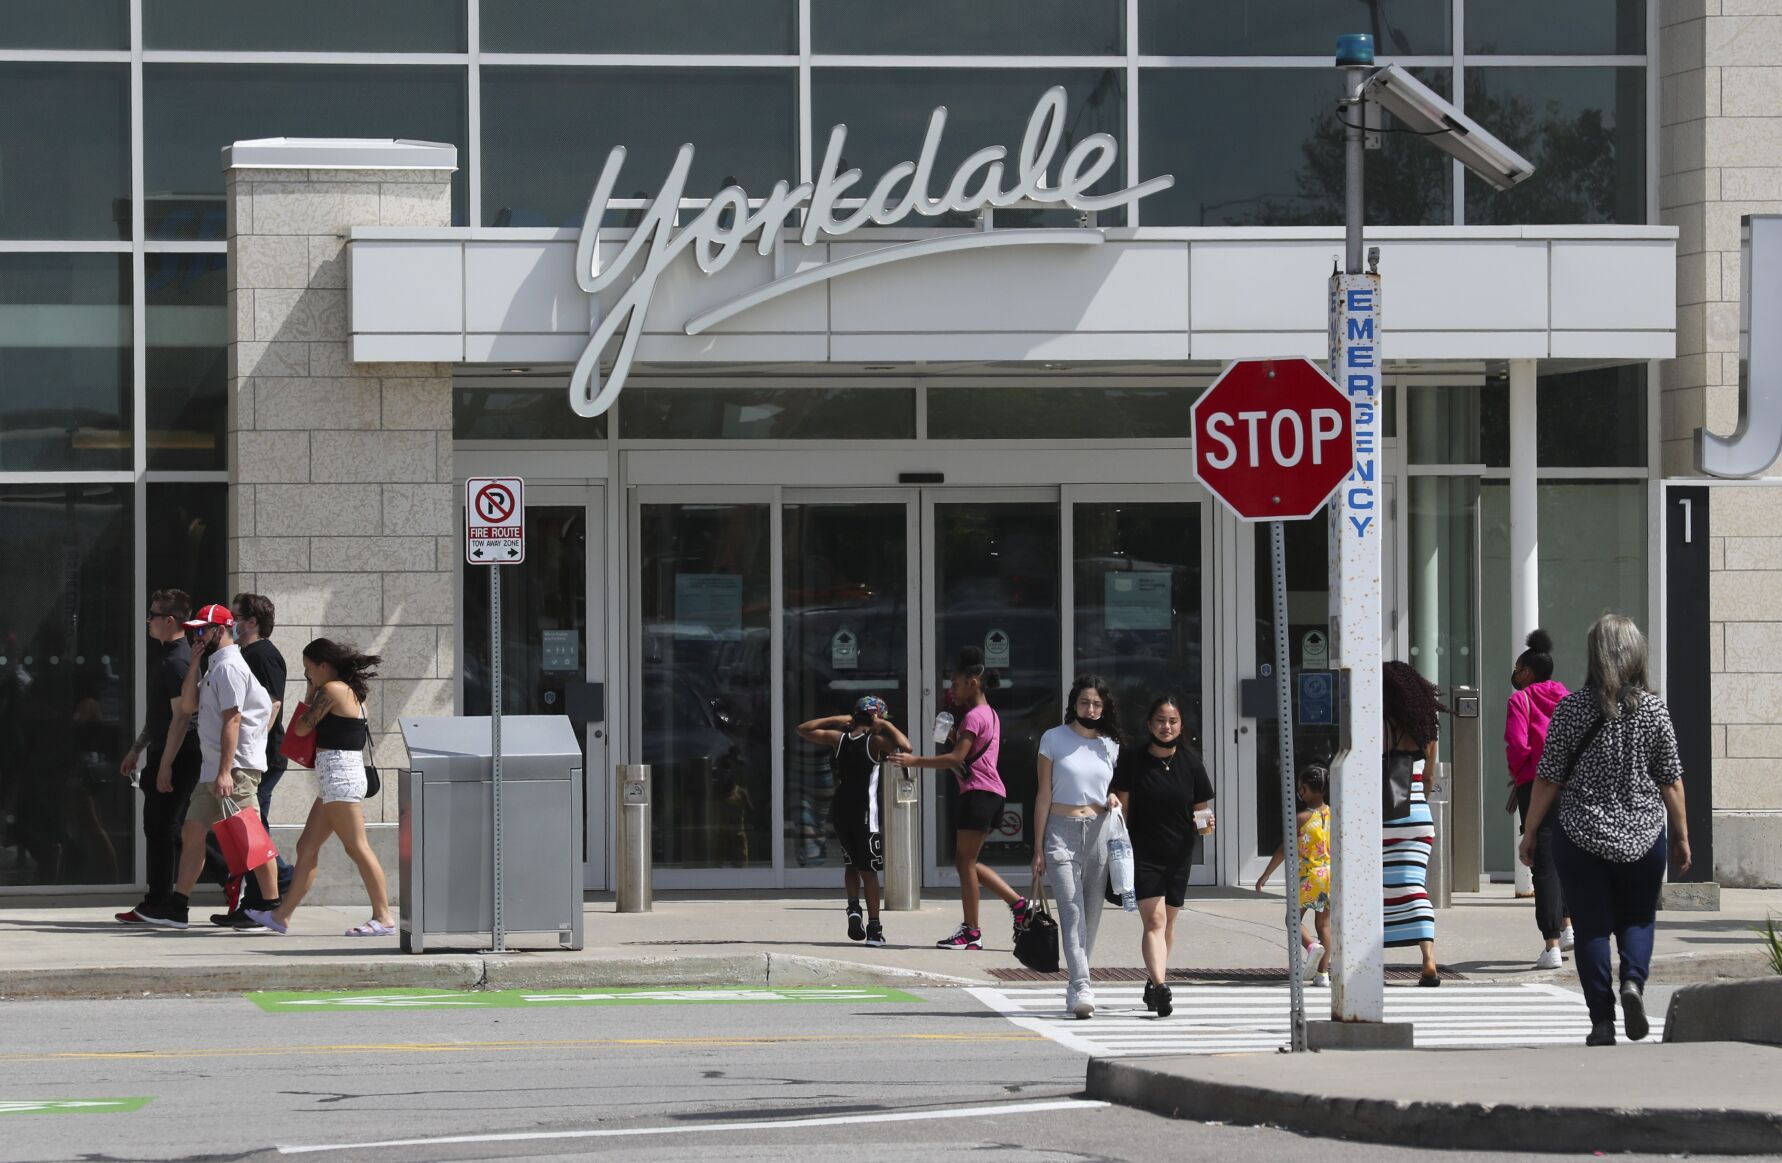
column 1308, row 604
column 521, row 414
column 64, row 361
column 66, row 24
column 847, row 635
column 312, row 26
column 1272, row 153
column 1583, row 128
column 65, row 168
column 768, row 414
column 886, row 112
column 1209, row 28
column 704, row 598
column 626, row 26
column 188, row 364
column 1592, row 419
column 188, row 538
column 68, row 639
column 742, row 123
column 982, row 27
column 1047, row 413
column 191, row 111
column 1540, row 26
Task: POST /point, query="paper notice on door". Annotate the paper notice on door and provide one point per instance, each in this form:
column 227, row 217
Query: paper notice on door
column 844, row 650
column 712, row 601
column 1136, row 599
column 997, row 651
column 562, row 650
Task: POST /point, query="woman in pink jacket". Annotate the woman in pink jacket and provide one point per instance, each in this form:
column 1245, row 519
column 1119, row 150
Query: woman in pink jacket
column 1525, row 736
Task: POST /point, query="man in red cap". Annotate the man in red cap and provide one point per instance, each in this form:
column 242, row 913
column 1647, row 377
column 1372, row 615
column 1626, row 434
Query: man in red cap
column 234, row 713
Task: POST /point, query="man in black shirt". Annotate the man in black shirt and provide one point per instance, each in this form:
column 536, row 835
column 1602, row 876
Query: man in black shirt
column 255, row 619
column 169, row 740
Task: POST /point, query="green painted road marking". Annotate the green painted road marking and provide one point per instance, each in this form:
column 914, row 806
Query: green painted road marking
column 71, row 1106
column 428, row 999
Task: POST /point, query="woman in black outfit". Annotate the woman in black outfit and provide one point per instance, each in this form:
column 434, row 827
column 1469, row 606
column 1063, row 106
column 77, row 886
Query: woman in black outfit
column 1161, row 788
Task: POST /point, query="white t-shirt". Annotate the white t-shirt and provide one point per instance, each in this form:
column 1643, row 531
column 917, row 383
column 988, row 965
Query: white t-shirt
column 230, row 685
column 1081, row 768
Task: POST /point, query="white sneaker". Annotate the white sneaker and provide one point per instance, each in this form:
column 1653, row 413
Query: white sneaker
column 1309, row 967
column 1566, row 940
column 1083, row 1006
column 1549, row 959
column 1322, row 980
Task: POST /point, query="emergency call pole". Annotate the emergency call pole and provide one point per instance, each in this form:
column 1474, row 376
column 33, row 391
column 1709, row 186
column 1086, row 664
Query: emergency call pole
column 1357, row 999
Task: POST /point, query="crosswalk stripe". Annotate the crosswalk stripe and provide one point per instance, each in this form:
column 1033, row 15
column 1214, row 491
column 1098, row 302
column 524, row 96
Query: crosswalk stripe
column 1211, row 1019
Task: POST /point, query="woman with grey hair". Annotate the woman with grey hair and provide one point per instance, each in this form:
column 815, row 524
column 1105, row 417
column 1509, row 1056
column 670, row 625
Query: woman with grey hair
column 1611, row 763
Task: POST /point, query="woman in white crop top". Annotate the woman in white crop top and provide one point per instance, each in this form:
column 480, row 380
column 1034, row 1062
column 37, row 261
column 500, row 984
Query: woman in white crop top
column 1076, row 764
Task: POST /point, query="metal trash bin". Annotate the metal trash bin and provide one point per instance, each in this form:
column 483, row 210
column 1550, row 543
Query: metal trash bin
column 899, row 805
column 1438, row 880
column 447, row 891
column 633, row 866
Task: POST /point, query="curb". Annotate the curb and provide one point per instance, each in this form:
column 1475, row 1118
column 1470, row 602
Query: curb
column 463, row 972
column 1538, row 1129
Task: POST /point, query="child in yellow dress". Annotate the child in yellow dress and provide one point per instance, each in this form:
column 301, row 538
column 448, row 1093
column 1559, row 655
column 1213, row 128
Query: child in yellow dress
column 1314, row 870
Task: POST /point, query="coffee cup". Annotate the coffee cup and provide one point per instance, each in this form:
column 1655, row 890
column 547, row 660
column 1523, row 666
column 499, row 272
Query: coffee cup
column 1203, row 821
column 943, row 727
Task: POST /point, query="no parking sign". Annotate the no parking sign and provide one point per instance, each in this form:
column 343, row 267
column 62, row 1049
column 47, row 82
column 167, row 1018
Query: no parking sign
column 494, row 520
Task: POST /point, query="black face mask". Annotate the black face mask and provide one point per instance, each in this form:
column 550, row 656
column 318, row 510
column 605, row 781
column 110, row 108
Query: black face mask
column 1093, row 724
column 1169, row 745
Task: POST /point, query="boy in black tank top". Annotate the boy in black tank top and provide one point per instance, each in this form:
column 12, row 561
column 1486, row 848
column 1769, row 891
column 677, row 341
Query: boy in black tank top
column 859, row 743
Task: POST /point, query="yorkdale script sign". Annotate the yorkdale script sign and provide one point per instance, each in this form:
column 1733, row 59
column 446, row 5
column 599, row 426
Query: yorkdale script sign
column 721, row 229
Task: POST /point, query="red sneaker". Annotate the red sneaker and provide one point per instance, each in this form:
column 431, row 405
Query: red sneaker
column 129, row 918
column 232, row 892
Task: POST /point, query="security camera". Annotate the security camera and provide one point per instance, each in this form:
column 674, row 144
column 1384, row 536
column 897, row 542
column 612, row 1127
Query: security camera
column 1422, row 110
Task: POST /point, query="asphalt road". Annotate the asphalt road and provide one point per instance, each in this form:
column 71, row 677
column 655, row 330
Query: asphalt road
column 867, row 1080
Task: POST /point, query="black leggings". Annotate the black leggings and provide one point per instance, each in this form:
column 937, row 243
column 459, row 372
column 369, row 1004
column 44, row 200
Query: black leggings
column 1549, row 897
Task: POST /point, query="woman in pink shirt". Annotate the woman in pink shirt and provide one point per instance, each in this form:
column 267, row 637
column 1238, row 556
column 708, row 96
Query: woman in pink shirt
column 1525, row 737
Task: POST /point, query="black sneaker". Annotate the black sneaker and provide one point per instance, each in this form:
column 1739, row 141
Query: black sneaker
column 235, row 919
column 1166, row 1003
column 856, row 923
column 169, row 915
column 1151, row 996
column 1633, row 1011
column 1601, row 1033
column 875, row 934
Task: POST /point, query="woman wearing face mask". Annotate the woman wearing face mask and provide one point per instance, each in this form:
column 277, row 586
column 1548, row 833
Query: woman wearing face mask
column 1076, row 765
column 1164, row 790
column 1525, row 738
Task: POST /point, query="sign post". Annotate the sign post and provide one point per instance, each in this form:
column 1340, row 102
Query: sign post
column 495, row 535
column 1272, row 439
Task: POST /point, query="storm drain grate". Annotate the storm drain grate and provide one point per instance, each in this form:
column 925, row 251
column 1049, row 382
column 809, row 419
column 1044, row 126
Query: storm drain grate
column 1017, row 973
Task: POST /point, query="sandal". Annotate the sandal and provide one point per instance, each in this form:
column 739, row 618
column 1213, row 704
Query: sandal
column 372, row 928
column 1430, row 979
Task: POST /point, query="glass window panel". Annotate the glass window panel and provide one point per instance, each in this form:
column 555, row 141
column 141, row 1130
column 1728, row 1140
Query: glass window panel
column 1583, row 128
column 312, row 26
column 65, row 168
column 190, row 112
column 546, row 134
column 982, row 27
column 521, row 414
column 188, row 364
column 1279, row 145
column 68, row 24
column 1593, row 560
column 886, row 112
column 68, row 638
column 188, row 538
column 1465, row 424
column 64, row 361
column 1308, row 609
column 626, row 26
column 1592, row 419
column 1540, row 26
column 768, row 414
column 1048, row 413
column 1206, row 28
column 1443, row 580
column 703, row 594
column 847, row 635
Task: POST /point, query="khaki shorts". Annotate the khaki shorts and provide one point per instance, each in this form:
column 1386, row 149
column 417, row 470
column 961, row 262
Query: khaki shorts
column 206, row 806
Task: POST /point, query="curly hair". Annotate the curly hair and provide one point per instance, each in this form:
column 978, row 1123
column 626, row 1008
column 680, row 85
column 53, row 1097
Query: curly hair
column 1411, row 704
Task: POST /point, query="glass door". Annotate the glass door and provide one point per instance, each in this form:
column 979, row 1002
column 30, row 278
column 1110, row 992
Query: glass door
column 553, row 631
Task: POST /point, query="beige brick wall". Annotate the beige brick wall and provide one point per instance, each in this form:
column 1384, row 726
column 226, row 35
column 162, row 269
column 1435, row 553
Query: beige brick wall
column 342, row 507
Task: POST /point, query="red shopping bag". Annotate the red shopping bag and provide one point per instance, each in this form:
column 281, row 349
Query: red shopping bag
column 299, row 749
column 243, row 839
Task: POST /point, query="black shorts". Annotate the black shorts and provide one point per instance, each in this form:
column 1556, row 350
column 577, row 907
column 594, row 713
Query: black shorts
column 862, row 849
column 1169, row 881
column 978, row 811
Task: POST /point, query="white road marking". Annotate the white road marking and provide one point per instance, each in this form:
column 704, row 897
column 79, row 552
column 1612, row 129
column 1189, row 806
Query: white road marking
column 1214, row 1019
column 963, row 1112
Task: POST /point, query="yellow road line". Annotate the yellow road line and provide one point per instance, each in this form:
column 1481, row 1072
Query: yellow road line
column 464, row 1047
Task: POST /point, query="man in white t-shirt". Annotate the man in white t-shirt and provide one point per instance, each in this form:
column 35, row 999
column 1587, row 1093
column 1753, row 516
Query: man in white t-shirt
column 234, row 714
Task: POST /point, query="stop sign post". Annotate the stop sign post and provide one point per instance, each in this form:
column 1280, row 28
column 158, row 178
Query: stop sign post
column 1273, row 439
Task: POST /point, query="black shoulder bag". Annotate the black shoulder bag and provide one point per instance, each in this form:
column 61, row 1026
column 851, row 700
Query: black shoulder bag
column 1571, row 764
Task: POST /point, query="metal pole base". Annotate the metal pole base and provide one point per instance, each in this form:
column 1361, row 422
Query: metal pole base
column 1360, row 1036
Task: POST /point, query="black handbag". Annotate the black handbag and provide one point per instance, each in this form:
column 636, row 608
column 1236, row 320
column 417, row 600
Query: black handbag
column 1395, row 787
column 1036, row 938
column 373, row 782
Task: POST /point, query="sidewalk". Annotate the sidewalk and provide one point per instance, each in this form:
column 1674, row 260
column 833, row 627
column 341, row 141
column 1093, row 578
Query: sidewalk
column 1694, row 1098
column 704, row 938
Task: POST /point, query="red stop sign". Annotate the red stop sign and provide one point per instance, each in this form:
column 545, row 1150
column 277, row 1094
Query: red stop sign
column 1273, row 438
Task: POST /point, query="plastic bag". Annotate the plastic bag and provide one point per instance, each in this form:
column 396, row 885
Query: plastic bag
column 1120, row 873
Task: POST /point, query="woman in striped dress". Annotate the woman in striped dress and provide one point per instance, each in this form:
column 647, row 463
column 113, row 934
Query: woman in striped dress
column 1411, row 732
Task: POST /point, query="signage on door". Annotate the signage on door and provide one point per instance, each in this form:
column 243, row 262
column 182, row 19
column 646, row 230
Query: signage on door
column 988, row 179
column 1314, row 650
column 996, row 652
column 494, row 520
column 1273, row 438
column 844, row 650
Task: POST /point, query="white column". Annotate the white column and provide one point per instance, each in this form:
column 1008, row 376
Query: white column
column 1525, row 539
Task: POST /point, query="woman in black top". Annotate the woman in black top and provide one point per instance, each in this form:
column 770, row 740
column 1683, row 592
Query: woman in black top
column 1162, row 787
